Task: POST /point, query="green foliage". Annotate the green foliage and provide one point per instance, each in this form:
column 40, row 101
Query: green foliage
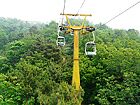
column 12, row 29
column 63, row 94
column 10, row 93
column 112, row 75
column 34, row 71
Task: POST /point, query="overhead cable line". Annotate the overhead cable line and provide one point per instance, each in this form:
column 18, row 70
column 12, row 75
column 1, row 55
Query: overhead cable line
column 64, row 6
column 63, row 10
column 121, row 13
column 80, row 6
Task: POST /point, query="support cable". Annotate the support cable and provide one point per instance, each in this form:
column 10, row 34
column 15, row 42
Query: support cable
column 80, row 7
column 93, row 36
column 63, row 11
column 121, row 13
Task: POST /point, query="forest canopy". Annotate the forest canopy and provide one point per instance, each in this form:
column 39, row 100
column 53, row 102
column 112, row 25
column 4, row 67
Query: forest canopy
column 35, row 71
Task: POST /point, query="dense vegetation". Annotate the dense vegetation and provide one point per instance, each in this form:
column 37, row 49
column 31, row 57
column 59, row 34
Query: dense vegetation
column 34, row 71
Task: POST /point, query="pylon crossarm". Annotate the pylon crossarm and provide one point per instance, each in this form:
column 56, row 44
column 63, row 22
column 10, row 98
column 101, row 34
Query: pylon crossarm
column 72, row 27
column 76, row 14
column 78, row 27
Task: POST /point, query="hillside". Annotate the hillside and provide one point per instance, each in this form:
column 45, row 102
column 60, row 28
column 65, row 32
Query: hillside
column 35, row 71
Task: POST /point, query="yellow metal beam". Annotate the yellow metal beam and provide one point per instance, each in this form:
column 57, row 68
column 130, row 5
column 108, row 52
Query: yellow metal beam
column 76, row 74
column 68, row 20
column 76, row 14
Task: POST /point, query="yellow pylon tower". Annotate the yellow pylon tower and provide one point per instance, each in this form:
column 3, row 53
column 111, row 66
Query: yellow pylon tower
column 76, row 29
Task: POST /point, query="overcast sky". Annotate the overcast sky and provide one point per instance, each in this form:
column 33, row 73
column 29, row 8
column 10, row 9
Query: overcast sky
column 47, row 10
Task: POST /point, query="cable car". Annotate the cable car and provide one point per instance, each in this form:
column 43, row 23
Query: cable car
column 60, row 41
column 90, row 48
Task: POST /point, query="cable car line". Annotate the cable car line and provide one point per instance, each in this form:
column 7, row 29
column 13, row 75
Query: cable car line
column 121, row 13
column 90, row 47
column 63, row 10
column 64, row 6
column 80, row 7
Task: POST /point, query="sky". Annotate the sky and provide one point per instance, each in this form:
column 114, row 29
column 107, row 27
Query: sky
column 47, row 10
